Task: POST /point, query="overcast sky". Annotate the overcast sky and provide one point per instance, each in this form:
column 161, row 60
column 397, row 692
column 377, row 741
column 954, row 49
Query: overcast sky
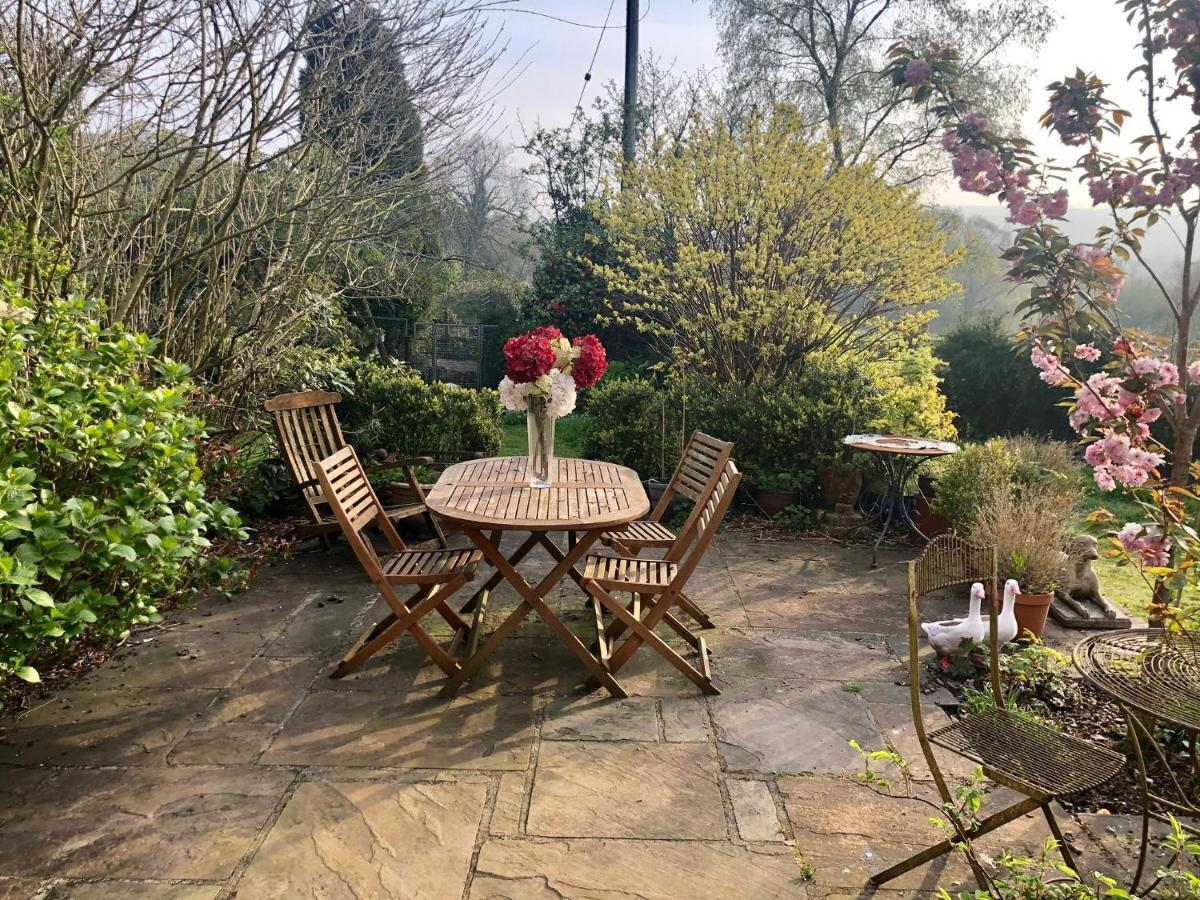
column 1091, row 34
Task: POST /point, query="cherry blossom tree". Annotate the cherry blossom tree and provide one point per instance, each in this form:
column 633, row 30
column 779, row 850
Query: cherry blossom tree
column 1136, row 397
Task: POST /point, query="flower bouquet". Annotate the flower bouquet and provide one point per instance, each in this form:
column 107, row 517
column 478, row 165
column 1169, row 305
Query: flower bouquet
column 542, row 371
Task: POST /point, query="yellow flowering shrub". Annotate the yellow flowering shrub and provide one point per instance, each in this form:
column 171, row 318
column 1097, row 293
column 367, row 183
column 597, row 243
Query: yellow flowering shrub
column 741, row 254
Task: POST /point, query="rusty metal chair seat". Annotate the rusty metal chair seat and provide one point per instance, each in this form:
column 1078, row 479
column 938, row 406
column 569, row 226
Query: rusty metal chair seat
column 646, row 534
column 1028, row 756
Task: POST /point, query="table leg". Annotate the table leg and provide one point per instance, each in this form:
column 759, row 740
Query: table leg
column 1132, row 727
column 532, row 602
column 496, row 577
column 897, row 471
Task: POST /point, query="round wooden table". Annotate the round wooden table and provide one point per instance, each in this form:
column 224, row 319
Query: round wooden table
column 899, row 456
column 487, row 497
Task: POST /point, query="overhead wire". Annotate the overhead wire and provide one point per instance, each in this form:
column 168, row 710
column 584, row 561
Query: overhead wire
column 587, row 76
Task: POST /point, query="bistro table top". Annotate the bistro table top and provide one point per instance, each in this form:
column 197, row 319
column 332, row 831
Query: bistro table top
column 899, row 444
column 494, row 493
column 1144, row 668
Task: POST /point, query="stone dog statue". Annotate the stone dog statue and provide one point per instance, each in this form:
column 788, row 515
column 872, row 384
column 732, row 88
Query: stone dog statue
column 1080, row 592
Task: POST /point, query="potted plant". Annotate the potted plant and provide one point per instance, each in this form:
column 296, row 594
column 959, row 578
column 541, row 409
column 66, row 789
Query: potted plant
column 776, row 491
column 1028, row 525
column 840, row 483
column 1037, row 593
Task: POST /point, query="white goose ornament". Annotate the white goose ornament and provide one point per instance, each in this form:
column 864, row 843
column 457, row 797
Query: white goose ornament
column 1006, row 625
column 947, row 637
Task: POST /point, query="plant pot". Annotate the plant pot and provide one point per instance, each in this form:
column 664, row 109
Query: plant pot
column 1031, row 613
column 839, row 487
column 655, row 489
column 928, row 522
column 775, row 502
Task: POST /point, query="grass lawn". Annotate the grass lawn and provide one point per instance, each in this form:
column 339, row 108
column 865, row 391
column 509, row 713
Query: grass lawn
column 570, row 433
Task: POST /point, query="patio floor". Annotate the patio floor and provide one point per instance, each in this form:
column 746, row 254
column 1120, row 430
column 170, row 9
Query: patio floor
column 215, row 758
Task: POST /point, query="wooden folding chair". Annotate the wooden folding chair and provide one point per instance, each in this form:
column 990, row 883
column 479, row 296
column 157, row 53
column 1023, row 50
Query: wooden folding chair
column 657, row 585
column 436, row 574
column 699, row 467
column 308, row 430
column 1014, row 751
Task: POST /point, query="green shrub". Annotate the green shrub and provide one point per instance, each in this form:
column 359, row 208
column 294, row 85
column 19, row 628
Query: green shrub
column 795, row 429
column 909, row 397
column 992, row 388
column 964, row 480
column 390, row 407
column 634, row 423
column 967, row 479
column 102, row 505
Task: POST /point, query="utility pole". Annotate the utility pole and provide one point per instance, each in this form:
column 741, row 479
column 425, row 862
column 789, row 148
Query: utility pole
column 631, row 73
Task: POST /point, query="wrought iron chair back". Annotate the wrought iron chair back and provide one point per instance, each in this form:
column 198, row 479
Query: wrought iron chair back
column 948, row 561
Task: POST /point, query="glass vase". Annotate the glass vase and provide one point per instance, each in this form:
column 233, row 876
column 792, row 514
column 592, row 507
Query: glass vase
column 540, row 428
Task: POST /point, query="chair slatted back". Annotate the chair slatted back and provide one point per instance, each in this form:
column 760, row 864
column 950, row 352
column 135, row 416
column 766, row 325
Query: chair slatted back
column 354, row 503
column 949, row 561
column 699, row 468
column 308, row 430
column 711, row 511
column 703, row 457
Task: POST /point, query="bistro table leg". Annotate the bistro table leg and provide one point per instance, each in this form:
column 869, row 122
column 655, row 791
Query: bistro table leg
column 532, row 601
column 897, row 470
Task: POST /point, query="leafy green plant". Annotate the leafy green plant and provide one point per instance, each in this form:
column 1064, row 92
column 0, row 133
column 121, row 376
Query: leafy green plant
column 635, row 423
column 797, row 518
column 392, row 408
column 964, row 479
column 103, row 512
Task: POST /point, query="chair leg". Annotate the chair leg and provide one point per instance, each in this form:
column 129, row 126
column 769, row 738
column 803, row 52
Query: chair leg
column 700, row 616
column 991, row 823
column 1063, row 849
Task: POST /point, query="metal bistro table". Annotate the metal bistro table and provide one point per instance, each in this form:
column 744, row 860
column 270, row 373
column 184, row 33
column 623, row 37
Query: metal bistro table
column 1152, row 675
column 899, row 456
column 488, row 497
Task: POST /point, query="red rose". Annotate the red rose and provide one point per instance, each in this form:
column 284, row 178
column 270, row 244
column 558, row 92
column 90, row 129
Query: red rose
column 592, row 362
column 528, row 357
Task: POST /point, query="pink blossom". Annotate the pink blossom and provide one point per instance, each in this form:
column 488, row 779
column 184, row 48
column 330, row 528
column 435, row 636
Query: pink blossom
column 1054, row 205
column 1168, row 374
column 1100, row 190
column 1087, row 351
column 1021, row 210
column 917, row 72
column 1193, row 370
column 1051, row 368
column 1145, row 365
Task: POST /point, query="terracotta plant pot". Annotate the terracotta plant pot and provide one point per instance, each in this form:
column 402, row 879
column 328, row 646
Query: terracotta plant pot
column 838, row 487
column 1031, row 613
column 929, row 523
column 775, row 502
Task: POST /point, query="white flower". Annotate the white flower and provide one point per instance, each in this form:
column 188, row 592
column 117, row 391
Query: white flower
column 556, row 386
column 513, row 395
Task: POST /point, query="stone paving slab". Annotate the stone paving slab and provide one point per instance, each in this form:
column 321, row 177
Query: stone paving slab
column 168, row 823
column 421, row 731
column 589, row 869
column 365, row 839
column 600, row 718
column 793, row 726
column 626, row 789
column 132, row 890
column 102, row 728
column 179, row 658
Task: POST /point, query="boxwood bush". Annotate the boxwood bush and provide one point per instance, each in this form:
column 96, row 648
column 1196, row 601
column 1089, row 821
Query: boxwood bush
column 634, row 422
column 390, row 407
column 102, row 505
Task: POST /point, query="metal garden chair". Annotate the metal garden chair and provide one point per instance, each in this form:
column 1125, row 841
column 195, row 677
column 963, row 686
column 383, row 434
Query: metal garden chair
column 657, row 585
column 436, row 574
column 308, row 430
column 1014, row 751
column 699, row 467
